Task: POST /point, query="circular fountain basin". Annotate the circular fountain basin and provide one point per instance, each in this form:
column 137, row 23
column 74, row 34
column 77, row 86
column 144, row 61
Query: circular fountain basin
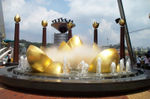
column 91, row 83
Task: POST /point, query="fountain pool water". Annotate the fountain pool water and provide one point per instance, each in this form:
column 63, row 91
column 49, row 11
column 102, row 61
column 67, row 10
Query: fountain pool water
column 81, row 73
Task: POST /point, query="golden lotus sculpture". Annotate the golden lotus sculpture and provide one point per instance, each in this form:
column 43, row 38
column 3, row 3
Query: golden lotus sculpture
column 64, row 46
column 74, row 42
column 37, row 59
column 107, row 57
column 55, row 68
column 40, row 62
column 118, row 68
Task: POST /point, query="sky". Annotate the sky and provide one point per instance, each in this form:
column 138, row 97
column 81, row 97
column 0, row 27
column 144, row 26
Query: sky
column 84, row 13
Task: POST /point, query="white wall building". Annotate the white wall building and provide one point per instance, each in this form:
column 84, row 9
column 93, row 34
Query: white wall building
column 2, row 27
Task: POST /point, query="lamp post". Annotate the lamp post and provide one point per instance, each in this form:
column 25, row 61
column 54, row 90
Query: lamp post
column 122, row 41
column 95, row 26
column 122, row 36
column 17, row 19
column 44, row 24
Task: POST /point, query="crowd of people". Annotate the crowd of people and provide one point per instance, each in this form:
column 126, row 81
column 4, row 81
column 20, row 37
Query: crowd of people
column 143, row 61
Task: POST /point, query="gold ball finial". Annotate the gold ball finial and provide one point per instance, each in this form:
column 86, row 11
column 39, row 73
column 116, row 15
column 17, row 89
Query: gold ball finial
column 70, row 25
column 17, row 18
column 95, row 25
column 44, row 23
column 121, row 22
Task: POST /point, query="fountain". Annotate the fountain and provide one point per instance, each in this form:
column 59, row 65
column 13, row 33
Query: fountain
column 75, row 67
column 103, row 74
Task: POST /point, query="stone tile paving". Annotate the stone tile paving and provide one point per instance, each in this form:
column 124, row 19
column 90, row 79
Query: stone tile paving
column 142, row 95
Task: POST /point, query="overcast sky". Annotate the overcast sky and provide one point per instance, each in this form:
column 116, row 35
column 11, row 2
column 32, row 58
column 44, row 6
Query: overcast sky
column 84, row 13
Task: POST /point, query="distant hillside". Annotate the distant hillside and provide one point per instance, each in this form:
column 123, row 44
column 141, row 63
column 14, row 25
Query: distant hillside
column 23, row 43
column 27, row 43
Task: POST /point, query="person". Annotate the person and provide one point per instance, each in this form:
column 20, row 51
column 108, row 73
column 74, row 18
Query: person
column 9, row 57
column 142, row 60
column 147, row 61
column 138, row 59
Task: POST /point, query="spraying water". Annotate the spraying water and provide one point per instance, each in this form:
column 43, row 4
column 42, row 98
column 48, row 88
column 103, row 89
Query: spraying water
column 23, row 64
column 113, row 68
column 65, row 67
column 83, row 68
column 121, row 65
column 128, row 66
column 98, row 68
column 75, row 56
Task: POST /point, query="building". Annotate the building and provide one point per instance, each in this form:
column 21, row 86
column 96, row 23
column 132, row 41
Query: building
column 2, row 27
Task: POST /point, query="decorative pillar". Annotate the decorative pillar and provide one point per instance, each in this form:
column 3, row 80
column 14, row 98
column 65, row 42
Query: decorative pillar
column 44, row 24
column 122, row 41
column 16, row 39
column 70, row 25
column 95, row 26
